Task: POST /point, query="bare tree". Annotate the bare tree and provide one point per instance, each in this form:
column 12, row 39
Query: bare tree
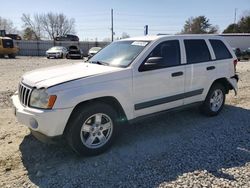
column 33, row 24
column 49, row 25
column 7, row 25
column 57, row 24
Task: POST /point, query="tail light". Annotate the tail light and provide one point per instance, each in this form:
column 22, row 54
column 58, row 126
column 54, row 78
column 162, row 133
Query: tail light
column 235, row 64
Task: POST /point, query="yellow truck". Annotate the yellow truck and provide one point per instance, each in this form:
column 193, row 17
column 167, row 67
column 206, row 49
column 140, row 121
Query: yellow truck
column 7, row 47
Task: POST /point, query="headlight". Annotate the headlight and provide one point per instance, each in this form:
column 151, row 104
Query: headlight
column 40, row 99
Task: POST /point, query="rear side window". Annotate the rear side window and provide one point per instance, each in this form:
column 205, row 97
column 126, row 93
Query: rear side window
column 220, row 49
column 196, row 51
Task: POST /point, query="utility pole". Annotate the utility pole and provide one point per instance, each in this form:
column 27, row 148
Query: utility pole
column 146, row 30
column 112, row 26
column 235, row 12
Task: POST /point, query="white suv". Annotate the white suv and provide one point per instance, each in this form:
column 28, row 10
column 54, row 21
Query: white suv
column 131, row 78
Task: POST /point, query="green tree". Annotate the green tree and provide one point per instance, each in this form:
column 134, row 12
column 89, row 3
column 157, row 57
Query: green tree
column 199, row 25
column 29, row 34
column 244, row 24
column 232, row 28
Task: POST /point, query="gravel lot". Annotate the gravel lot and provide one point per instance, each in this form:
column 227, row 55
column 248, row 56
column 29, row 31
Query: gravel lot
column 177, row 149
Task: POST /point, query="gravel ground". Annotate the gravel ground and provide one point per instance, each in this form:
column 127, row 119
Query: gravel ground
column 177, row 149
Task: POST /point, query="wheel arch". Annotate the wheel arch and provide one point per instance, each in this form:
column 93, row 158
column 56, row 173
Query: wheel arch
column 109, row 100
column 225, row 83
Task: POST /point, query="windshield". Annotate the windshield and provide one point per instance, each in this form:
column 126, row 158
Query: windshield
column 120, row 53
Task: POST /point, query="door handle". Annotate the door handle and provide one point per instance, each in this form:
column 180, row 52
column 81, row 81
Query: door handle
column 211, row 68
column 177, row 74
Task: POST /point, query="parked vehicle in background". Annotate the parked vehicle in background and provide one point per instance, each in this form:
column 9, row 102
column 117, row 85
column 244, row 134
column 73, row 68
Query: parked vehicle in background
column 7, row 47
column 135, row 77
column 2, row 33
column 14, row 36
column 57, row 52
column 93, row 51
column 67, row 38
column 246, row 54
column 74, row 52
column 238, row 53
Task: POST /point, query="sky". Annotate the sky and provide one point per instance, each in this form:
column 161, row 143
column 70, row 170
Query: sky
column 93, row 20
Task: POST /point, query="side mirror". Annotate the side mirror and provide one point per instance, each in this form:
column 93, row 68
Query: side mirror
column 153, row 61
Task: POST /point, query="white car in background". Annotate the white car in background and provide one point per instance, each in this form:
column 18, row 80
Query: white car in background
column 93, row 51
column 57, row 52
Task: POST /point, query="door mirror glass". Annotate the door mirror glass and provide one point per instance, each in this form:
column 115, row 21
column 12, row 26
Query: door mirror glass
column 153, row 61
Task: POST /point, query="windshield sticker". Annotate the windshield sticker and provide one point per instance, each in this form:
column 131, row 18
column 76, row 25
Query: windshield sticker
column 139, row 43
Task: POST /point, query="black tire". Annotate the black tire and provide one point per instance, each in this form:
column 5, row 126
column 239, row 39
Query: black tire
column 11, row 56
column 206, row 107
column 74, row 134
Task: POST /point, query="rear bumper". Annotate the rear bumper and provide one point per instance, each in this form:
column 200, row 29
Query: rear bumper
column 236, row 76
column 233, row 81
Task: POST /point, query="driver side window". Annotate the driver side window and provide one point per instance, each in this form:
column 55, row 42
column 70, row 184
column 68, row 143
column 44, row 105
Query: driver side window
column 166, row 54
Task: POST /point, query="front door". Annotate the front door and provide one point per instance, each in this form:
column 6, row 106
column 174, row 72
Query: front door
column 158, row 84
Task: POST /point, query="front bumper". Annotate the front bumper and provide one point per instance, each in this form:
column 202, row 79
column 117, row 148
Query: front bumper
column 47, row 122
column 54, row 55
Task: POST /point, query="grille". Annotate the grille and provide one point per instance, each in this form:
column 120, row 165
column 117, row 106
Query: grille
column 24, row 93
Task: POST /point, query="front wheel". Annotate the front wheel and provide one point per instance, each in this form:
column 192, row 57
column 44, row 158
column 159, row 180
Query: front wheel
column 92, row 129
column 214, row 101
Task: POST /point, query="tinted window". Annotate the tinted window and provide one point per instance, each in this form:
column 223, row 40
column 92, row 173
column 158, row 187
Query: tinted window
column 8, row 43
column 169, row 54
column 220, row 50
column 197, row 51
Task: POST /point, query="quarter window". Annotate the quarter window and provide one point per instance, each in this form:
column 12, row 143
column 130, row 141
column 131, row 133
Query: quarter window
column 220, row 49
column 196, row 51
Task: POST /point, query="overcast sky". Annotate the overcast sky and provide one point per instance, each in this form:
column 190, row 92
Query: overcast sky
column 93, row 16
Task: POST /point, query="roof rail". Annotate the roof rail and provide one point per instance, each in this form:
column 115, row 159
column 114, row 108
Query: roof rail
column 163, row 34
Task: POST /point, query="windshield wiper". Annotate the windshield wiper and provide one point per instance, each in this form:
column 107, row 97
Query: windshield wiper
column 100, row 63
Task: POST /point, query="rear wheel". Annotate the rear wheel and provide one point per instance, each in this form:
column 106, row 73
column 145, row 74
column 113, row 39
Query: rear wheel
column 92, row 129
column 11, row 56
column 214, row 101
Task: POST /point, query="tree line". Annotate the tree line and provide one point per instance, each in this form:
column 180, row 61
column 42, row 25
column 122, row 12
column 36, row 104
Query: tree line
column 50, row 25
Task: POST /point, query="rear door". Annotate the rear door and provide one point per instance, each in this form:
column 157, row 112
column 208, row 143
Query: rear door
column 159, row 82
column 200, row 69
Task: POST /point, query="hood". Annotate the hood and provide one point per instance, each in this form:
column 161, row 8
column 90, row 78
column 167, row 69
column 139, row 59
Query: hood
column 53, row 51
column 48, row 77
